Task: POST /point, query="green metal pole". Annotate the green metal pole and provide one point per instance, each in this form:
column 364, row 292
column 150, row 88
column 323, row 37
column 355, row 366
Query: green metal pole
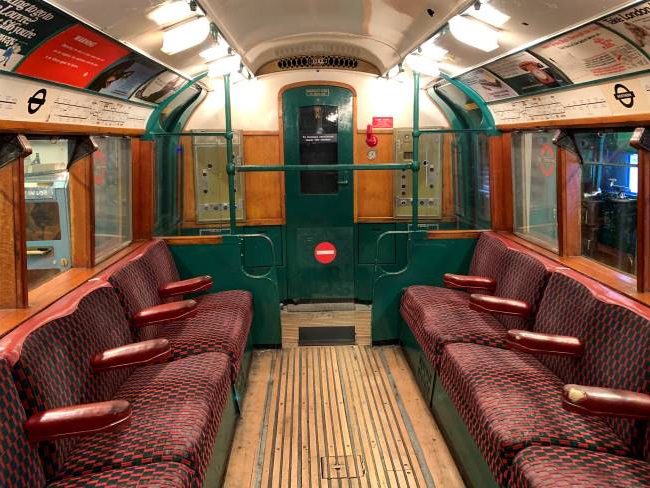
column 416, row 147
column 230, row 167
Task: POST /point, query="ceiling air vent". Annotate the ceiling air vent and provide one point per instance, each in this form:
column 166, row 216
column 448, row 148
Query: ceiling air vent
column 309, row 61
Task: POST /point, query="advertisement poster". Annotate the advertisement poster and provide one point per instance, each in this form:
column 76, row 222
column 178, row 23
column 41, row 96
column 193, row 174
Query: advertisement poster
column 23, row 25
column 160, row 88
column 634, row 24
column 526, row 74
column 74, row 57
column 125, row 76
column 488, row 86
column 593, row 52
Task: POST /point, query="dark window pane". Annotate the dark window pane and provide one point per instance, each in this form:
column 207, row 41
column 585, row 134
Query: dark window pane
column 42, row 221
column 318, row 128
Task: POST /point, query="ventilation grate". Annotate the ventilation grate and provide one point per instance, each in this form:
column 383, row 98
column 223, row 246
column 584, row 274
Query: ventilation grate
column 307, row 62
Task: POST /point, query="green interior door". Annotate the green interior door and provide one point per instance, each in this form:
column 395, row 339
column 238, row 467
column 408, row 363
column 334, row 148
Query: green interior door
column 319, row 205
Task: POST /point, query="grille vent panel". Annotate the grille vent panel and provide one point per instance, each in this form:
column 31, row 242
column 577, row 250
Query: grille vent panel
column 307, row 62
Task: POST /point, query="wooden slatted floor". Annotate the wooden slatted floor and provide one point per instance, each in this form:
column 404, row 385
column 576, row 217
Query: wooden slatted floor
column 337, row 416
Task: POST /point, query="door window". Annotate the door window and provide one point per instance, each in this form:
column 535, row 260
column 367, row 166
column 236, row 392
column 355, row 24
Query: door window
column 318, row 128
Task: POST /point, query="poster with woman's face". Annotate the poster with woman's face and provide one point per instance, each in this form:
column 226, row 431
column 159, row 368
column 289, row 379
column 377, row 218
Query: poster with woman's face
column 160, row 88
column 633, row 24
column 488, row 86
column 125, row 76
column 527, row 74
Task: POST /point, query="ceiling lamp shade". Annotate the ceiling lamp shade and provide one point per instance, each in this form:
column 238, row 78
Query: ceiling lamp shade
column 173, row 12
column 488, row 14
column 422, row 64
column 433, row 51
column 223, row 66
column 186, row 35
column 474, row 33
column 217, row 51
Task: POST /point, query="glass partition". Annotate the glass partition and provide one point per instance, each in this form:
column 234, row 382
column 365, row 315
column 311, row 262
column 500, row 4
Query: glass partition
column 47, row 215
column 112, row 177
column 534, row 171
column 609, row 198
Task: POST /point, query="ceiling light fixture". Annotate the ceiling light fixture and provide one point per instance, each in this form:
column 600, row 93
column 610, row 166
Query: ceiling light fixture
column 433, row 51
column 423, row 65
column 488, row 14
column 474, row 33
column 220, row 49
column 223, row 66
column 186, row 35
column 173, row 12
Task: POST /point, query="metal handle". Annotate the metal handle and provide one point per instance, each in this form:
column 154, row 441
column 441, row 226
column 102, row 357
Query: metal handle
column 343, row 182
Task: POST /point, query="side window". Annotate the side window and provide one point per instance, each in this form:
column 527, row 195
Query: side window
column 534, row 181
column 112, row 178
column 47, row 209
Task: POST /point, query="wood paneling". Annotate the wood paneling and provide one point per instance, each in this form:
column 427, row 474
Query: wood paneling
column 569, row 203
column 643, row 224
column 613, row 121
column 501, row 202
column 189, row 195
column 448, row 199
column 293, row 321
column 45, row 295
column 192, row 240
column 67, row 129
column 143, row 188
column 13, row 251
column 373, row 190
column 82, row 213
column 264, row 193
column 453, row 234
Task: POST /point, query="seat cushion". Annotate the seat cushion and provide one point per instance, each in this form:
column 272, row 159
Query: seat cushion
column 556, row 467
column 510, row 401
column 222, row 324
column 177, row 409
column 156, row 475
column 438, row 316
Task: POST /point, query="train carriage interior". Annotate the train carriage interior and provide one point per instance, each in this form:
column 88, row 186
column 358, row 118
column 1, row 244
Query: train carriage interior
column 325, row 243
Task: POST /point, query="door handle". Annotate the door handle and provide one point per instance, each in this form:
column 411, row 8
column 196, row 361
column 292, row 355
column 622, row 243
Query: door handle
column 343, row 182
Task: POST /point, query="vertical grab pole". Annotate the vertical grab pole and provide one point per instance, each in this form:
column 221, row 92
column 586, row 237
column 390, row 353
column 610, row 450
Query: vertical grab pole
column 230, row 166
column 416, row 147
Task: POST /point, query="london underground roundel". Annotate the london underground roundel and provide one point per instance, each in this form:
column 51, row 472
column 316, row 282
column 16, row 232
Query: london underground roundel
column 325, row 252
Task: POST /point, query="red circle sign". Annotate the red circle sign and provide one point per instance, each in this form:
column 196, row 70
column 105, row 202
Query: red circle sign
column 325, row 252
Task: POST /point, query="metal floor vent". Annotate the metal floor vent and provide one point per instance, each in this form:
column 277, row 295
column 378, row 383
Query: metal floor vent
column 339, row 335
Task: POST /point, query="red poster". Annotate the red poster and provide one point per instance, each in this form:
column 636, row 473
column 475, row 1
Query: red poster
column 382, row 122
column 74, row 57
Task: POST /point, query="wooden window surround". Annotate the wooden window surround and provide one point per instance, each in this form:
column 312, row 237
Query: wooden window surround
column 569, row 219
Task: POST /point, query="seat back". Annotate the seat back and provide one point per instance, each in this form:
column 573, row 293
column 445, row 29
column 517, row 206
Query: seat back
column 160, row 260
column 50, row 355
column 488, row 255
column 523, row 277
column 617, row 355
column 19, row 461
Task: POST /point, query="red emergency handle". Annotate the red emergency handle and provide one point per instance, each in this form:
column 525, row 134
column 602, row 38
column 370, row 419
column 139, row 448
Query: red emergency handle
column 371, row 139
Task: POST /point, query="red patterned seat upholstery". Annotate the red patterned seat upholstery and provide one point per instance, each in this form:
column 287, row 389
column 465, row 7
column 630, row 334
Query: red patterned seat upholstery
column 159, row 475
column 176, row 406
column 439, row 316
column 546, row 467
column 510, row 401
column 222, row 321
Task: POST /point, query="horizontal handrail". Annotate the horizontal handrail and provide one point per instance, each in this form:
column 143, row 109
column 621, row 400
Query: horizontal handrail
column 193, row 134
column 326, row 167
column 453, row 131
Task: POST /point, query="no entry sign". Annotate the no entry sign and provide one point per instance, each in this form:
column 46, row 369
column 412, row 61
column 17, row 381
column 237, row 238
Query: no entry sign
column 325, row 252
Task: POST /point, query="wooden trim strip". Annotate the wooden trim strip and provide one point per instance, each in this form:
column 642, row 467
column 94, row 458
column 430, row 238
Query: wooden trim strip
column 618, row 281
column 643, row 224
column 191, row 240
column 454, row 234
column 45, row 295
column 614, row 120
column 67, row 129
column 82, row 213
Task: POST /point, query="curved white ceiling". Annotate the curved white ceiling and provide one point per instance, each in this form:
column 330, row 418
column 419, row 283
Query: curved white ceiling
column 381, row 32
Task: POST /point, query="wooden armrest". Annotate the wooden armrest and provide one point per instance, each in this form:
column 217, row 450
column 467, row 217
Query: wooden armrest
column 192, row 285
column 606, row 402
column 472, row 283
column 136, row 354
column 164, row 313
column 78, row 420
column 505, row 306
column 536, row 343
